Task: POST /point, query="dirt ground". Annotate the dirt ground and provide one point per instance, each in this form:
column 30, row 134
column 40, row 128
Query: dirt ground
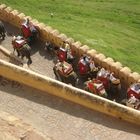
column 56, row 118
column 42, row 61
column 12, row 128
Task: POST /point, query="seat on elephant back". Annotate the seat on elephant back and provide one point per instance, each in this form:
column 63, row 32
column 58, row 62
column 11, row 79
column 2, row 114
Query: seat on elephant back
column 83, row 69
column 62, row 54
column 96, row 87
column 18, row 42
column 29, row 31
column 26, row 30
column 133, row 96
column 83, row 66
column 65, row 68
column 134, row 90
column 103, row 75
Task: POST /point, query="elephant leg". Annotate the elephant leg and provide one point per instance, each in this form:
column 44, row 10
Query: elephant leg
column 22, row 56
column 28, row 56
column 29, row 60
column 0, row 35
column 3, row 36
column 18, row 53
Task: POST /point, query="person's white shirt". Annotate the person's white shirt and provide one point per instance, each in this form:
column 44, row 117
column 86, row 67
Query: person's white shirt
column 132, row 99
column 112, row 78
column 92, row 66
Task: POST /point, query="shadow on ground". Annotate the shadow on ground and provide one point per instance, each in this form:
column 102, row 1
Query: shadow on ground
column 70, row 108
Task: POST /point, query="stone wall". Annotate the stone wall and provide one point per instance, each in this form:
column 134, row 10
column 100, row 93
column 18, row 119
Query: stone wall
column 70, row 93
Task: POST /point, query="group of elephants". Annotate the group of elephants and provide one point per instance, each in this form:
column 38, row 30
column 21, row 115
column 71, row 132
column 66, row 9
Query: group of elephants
column 65, row 70
column 22, row 42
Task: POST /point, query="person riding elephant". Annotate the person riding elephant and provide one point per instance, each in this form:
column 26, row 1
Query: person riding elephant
column 17, row 42
column 26, row 29
column 86, row 66
column 69, row 54
column 29, row 31
column 22, row 48
column 2, row 30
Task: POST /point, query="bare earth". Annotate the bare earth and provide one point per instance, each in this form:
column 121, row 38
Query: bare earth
column 56, row 118
column 13, row 128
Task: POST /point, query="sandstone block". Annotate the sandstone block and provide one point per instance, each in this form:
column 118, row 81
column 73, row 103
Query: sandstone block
column 83, row 50
column 123, row 75
column 19, row 20
column 53, row 36
column 6, row 14
column 99, row 58
column 75, row 47
column 13, row 17
column 116, row 67
column 2, row 8
column 92, row 53
column 70, row 40
column 133, row 77
column 106, row 63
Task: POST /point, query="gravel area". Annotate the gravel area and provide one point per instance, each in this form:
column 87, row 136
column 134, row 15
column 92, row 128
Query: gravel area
column 42, row 60
column 57, row 118
column 12, row 128
column 3, row 57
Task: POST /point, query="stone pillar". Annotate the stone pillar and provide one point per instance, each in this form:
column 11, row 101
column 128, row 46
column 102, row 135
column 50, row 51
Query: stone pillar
column 40, row 27
column 99, row 58
column 19, row 19
column 13, row 17
column 75, row 47
column 123, row 75
column 46, row 33
column 53, row 36
column 83, row 50
column 60, row 39
column 6, row 14
column 116, row 67
column 106, row 63
column 70, row 40
column 2, row 8
column 133, row 78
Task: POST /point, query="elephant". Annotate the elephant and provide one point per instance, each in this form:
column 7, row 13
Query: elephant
column 22, row 48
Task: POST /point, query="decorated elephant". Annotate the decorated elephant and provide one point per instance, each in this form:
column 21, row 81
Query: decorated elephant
column 133, row 96
column 86, row 67
column 110, row 82
column 65, row 73
column 96, row 87
column 29, row 31
column 22, row 48
column 65, row 54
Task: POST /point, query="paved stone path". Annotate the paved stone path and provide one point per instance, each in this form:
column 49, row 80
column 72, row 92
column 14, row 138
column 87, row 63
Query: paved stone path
column 42, row 61
column 59, row 119
column 12, row 128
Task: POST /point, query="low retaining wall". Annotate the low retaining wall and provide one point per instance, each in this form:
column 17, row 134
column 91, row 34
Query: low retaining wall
column 70, row 93
column 11, row 55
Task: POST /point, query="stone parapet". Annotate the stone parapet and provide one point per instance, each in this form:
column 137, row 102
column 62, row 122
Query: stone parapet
column 67, row 92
